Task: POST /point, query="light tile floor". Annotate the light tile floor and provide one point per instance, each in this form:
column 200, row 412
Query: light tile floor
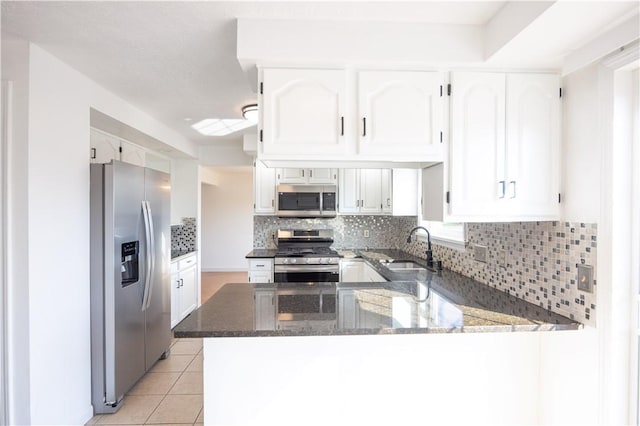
column 171, row 392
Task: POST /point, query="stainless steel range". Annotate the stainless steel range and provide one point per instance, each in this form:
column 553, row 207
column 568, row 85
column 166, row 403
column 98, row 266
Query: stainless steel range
column 305, row 255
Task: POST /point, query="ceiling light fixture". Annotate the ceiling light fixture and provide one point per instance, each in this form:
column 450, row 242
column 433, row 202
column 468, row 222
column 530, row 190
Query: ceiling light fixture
column 250, row 112
column 225, row 126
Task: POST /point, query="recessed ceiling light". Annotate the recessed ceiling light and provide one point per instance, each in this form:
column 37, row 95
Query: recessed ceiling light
column 225, row 126
column 188, row 119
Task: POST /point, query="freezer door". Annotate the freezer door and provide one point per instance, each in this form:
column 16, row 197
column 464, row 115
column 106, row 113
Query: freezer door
column 124, row 317
column 158, row 304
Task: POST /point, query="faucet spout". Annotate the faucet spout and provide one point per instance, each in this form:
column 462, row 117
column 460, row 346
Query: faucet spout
column 429, row 252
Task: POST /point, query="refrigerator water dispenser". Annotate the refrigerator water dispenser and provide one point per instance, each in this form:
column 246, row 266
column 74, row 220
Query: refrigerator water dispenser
column 129, row 268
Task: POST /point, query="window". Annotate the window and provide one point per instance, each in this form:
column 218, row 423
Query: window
column 446, row 234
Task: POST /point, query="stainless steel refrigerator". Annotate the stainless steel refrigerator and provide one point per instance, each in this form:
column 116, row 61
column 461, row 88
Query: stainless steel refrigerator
column 130, row 274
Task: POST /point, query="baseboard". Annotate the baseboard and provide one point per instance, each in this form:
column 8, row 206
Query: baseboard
column 85, row 417
column 203, row 269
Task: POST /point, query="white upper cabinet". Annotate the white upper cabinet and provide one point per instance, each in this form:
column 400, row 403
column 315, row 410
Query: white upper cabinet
column 477, row 143
column 303, row 113
column 400, row 114
column 533, row 144
column 264, row 189
column 350, row 115
column 307, row 176
column 104, row 147
column 365, row 191
column 504, row 153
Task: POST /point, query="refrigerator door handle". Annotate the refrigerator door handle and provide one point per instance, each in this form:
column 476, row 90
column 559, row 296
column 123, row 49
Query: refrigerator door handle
column 152, row 254
column 148, row 250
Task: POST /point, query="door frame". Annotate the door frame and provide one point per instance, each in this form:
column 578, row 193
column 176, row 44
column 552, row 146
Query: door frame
column 618, row 234
column 5, row 106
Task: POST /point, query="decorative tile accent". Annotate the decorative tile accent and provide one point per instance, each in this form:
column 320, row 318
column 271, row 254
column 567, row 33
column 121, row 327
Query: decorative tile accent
column 541, row 257
column 183, row 237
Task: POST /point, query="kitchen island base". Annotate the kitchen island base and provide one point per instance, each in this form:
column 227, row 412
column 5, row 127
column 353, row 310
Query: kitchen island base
column 456, row 378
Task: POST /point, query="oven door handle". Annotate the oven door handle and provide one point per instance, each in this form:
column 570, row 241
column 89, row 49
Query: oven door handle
column 306, row 268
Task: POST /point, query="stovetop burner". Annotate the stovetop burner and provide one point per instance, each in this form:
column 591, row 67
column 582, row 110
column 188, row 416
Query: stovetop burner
column 305, row 252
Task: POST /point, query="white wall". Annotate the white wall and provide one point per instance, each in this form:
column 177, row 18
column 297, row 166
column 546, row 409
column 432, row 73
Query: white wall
column 49, row 293
column 227, row 221
column 581, row 162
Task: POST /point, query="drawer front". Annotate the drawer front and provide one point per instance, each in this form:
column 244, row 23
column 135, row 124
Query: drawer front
column 260, row 264
column 174, row 267
column 187, row 262
column 260, row 277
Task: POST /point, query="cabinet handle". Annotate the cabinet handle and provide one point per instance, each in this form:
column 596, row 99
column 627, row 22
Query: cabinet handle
column 513, row 188
column 178, row 282
column 302, row 172
column 364, row 126
column 342, row 126
column 93, row 153
column 181, row 282
column 259, row 266
column 502, row 183
column 388, row 202
column 273, row 203
column 310, row 173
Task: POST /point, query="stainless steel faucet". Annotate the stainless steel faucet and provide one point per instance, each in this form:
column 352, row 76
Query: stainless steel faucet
column 429, row 252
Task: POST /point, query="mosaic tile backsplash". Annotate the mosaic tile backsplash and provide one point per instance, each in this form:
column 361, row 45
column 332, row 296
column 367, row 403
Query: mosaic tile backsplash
column 534, row 261
column 348, row 231
column 183, row 237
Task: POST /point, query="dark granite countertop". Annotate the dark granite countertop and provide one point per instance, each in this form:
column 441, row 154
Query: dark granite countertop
column 175, row 254
column 261, row 253
column 424, row 302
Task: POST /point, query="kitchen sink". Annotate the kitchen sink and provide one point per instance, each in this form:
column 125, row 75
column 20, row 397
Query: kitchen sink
column 404, row 265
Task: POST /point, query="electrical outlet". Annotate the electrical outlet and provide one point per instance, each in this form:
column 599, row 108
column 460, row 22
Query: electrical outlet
column 585, row 278
column 365, row 233
column 480, row 253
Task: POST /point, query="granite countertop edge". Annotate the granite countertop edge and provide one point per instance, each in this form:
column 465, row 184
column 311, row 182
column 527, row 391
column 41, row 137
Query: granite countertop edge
column 380, row 331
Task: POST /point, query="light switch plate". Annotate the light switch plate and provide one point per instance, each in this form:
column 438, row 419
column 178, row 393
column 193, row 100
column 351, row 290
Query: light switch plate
column 585, row 278
column 480, row 253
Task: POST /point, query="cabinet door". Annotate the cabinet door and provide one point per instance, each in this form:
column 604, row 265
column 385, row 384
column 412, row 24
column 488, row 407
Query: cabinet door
column 188, row 287
column 322, row 176
column 290, row 175
column 352, row 271
column 303, row 112
column 104, row 148
column 533, row 144
column 386, row 189
column 477, row 180
column 175, row 299
column 371, row 191
column 349, row 191
column 132, row 154
column 260, row 276
column 400, row 113
column 264, row 189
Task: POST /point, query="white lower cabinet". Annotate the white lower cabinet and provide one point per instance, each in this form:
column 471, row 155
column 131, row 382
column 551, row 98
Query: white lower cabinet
column 261, row 270
column 357, row 270
column 184, row 288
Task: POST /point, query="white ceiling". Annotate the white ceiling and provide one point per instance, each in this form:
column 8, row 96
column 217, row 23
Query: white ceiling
column 177, row 60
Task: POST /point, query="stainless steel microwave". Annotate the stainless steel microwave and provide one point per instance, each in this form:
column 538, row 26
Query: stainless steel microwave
column 307, row 200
